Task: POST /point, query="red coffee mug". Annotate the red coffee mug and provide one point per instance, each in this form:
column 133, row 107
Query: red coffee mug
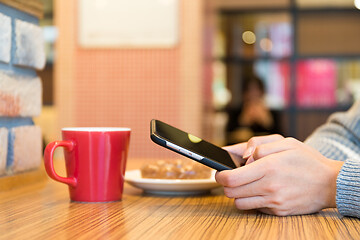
column 95, row 162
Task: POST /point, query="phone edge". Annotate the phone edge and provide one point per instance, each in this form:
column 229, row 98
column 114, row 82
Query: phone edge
column 205, row 161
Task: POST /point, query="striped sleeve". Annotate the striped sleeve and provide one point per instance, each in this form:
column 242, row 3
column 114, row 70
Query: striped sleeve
column 339, row 139
column 348, row 189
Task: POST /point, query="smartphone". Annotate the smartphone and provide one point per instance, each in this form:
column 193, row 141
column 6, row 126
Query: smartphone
column 190, row 146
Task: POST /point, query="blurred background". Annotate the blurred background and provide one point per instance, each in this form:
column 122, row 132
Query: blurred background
column 192, row 64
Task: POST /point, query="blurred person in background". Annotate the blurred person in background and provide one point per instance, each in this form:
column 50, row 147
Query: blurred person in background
column 253, row 117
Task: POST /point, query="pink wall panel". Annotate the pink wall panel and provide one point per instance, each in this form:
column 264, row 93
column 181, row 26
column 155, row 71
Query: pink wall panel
column 127, row 88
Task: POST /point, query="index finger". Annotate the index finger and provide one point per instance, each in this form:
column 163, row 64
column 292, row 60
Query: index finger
column 236, row 149
column 243, row 175
column 236, row 152
column 257, row 141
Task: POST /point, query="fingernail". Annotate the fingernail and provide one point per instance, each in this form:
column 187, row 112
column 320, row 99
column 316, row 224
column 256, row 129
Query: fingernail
column 250, row 160
column 248, row 152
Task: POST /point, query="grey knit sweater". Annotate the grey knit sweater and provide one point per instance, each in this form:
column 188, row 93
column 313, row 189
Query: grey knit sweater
column 339, row 139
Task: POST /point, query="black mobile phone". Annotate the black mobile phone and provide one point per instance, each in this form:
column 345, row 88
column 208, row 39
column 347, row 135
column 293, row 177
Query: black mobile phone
column 190, row 146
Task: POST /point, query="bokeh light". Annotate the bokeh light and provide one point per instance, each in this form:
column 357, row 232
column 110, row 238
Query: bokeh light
column 357, row 4
column 249, row 37
column 266, row 44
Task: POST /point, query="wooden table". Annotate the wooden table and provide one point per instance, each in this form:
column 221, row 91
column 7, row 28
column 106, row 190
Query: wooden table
column 43, row 211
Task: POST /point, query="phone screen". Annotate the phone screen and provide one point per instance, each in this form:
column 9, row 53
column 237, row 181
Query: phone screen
column 193, row 143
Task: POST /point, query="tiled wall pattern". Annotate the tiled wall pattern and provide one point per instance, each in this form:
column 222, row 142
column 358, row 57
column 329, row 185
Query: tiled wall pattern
column 25, row 141
column 129, row 87
column 5, row 38
column 29, row 40
column 3, row 149
column 21, row 52
column 19, row 95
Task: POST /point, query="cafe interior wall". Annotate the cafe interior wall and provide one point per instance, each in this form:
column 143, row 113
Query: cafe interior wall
column 128, row 87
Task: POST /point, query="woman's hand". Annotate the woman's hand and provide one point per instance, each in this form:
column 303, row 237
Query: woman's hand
column 286, row 177
column 242, row 152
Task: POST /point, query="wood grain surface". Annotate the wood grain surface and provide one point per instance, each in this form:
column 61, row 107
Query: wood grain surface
column 44, row 211
column 9, row 182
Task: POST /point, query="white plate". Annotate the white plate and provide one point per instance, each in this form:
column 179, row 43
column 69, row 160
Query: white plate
column 171, row 186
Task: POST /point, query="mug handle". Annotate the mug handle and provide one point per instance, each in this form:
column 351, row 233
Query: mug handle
column 49, row 161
